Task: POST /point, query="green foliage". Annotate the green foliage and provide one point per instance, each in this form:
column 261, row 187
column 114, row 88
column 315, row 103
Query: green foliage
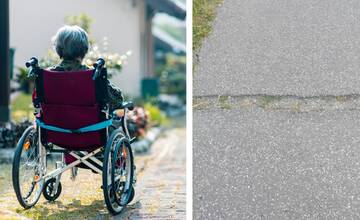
column 157, row 117
column 223, row 101
column 22, row 107
column 203, row 15
column 22, row 75
column 172, row 74
column 82, row 20
column 266, row 100
column 26, row 83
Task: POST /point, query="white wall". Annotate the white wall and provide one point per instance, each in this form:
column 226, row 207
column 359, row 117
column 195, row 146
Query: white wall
column 33, row 23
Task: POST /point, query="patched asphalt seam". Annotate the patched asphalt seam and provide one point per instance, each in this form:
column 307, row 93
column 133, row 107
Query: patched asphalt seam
column 296, row 104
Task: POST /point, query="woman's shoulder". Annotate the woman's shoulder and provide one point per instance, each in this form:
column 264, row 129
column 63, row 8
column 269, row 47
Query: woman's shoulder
column 55, row 68
column 68, row 67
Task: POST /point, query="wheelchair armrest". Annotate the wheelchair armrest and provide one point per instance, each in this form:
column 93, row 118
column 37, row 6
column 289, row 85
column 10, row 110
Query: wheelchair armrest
column 127, row 105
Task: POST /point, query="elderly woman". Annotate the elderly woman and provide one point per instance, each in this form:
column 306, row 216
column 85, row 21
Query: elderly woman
column 71, row 44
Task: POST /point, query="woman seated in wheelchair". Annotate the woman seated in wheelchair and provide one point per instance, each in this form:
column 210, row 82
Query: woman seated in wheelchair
column 71, row 44
column 79, row 132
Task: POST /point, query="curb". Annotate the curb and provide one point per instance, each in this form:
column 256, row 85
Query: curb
column 6, row 155
column 143, row 145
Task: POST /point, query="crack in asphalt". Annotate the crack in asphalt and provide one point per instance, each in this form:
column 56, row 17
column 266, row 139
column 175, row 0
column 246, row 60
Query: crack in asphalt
column 293, row 103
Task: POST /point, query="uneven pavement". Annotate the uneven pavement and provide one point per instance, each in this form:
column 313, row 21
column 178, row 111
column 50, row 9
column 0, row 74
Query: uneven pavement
column 277, row 112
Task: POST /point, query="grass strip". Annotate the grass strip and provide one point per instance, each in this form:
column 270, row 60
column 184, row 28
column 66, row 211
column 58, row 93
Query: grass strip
column 203, row 15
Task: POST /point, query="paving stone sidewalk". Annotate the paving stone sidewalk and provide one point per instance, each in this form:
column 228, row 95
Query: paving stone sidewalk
column 160, row 190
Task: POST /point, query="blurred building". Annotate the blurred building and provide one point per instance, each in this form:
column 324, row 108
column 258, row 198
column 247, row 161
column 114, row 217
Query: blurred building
column 127, row 24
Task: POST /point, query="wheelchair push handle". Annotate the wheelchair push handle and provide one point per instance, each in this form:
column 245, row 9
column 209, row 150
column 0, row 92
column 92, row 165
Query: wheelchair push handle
column 99, row 63
column 32, row 65
column 127, row 105
column 33, row 62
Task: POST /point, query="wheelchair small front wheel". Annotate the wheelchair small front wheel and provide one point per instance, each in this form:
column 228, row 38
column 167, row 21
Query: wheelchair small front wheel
column 118, row 171
column 49, row 192
column 26, row 169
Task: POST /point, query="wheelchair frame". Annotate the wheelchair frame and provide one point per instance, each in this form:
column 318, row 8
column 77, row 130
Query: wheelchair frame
column 43, row 178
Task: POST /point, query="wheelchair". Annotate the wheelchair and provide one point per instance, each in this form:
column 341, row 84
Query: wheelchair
column 74, row 119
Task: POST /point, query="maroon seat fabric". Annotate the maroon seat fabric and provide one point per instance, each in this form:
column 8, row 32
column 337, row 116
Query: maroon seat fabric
column 69, row 101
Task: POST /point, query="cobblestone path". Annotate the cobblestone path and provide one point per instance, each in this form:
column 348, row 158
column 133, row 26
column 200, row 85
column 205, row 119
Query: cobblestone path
column 160, row 188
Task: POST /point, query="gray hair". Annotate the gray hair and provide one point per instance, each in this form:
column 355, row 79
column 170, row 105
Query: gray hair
column 71, row 42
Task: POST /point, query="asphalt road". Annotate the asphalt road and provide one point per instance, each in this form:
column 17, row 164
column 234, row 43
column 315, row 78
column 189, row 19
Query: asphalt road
column 273, row 138
column 251, row 163
column 282, row 47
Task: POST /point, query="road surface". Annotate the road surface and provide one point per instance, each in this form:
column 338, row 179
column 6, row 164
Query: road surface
column 277, row 112
column 281, row 47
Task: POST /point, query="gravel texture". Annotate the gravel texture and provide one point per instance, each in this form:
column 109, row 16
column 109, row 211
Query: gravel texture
column 256, row 163
column 281, row 47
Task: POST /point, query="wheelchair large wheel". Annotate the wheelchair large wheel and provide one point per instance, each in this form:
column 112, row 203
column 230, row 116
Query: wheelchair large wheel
column 118, row 171
column 26, row 169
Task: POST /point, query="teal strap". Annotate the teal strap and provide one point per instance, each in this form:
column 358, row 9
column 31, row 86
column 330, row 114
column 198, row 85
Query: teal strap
column 94, row 127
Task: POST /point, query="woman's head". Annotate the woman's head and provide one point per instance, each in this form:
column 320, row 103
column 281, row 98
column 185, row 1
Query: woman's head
column 71, row 42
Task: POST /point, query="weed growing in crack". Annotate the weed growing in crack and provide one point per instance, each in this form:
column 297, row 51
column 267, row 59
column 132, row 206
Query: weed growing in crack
column 266, row 100
column 223, row 102
column 296, row 108
column 199, row 104
column 342, row 98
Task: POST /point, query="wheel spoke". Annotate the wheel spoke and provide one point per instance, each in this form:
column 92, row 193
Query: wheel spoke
column 30, row 191
column 25, row 168
column 116, row 173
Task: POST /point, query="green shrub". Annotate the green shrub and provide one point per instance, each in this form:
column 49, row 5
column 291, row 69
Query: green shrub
column 157, row 117
column 22, row 107
column 171, row 71
column 26, row 82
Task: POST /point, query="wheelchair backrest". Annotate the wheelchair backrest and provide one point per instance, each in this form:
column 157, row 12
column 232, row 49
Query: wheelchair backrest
column 69, row 88
column 72, row 100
